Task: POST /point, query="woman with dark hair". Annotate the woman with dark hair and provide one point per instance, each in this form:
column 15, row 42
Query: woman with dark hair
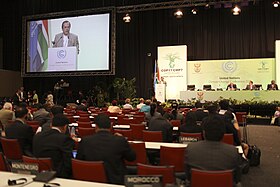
column 153, row 113
column 190, row 125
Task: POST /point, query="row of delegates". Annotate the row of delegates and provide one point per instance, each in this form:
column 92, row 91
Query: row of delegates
column 252, row 86
column 212, row 154
column 104, row 146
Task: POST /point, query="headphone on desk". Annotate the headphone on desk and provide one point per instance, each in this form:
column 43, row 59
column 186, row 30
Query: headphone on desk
column 17, row 181
column 51, row 185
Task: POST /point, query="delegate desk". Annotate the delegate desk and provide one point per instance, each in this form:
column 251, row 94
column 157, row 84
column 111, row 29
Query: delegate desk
column 125, row 127
column 241, row 95
column 156, row 145
column 4, row 176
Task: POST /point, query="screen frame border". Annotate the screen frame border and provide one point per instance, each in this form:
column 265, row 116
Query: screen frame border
column 86, row 12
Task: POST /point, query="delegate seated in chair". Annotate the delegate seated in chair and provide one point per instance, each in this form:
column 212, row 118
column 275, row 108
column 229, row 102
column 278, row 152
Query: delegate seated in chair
column 200, row 155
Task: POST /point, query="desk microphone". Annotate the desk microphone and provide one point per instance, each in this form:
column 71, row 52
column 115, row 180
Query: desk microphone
column 17, row 181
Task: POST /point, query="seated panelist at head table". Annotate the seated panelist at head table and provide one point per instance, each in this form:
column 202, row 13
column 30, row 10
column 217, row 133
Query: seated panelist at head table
column 272, row 86
column 231, row 86
column 251, row 86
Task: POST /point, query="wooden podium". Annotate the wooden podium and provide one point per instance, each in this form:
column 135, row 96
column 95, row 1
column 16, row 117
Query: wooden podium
column 160, row 92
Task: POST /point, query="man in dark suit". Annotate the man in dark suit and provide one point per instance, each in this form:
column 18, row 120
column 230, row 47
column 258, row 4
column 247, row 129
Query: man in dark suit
column 56, row 145
column 104, row 146
column 272, row 86
column 66, row 39
column 212, row 154
column 200, row 113
column 21, row 131
column 251, row 86
column 41, row 115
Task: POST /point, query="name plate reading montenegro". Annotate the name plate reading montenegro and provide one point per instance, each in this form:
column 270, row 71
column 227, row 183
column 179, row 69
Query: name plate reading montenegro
column 143, row 180
column 25, row 168
column 62, row 59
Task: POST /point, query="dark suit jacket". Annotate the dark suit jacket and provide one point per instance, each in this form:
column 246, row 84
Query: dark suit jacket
column 58, row 147
column 23, row 133
column 200, row 114
column 161, row 124
column 42, row 116
column 190, row 128
column 248, row 87
column 113, row 150
column 233, row 87
column 212, row 155
column 269, row 87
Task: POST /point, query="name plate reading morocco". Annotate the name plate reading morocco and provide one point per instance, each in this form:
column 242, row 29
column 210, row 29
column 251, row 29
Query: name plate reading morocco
column 143, row 181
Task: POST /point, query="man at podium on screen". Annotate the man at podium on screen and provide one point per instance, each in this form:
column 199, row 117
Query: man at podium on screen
column 66, row 39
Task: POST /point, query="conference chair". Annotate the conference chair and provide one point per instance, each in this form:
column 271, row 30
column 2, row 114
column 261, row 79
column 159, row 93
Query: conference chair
column 85, row 124
column 123, row 120
column 175, row 122
column 84, row 119
column 167, row 172
column 141, row 157
column 138, row 119
column 228, row 139
column 85, row 131
column 92, row 171
column 44, row 164
column 3, row 163
column 207, row 87
column 152, row 136
column 191, row 87
column 173, row 156
column 137, row 131
column 126, row 133
column 70, row 118
column 241, row 118
column 34, row 124
column 198, row 136
column 12, row 149
column 200, row 178
column 80, row 112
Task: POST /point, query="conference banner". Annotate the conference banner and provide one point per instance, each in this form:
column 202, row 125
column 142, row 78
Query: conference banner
column 219, row 73
column 172, row 67
column 277, row 61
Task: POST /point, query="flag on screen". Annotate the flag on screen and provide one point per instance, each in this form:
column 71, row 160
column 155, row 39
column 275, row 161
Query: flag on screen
column 156, row 75
column 38, row 44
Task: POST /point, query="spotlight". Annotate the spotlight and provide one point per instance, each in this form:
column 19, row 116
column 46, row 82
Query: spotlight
column 276, row 4
column 126, row 18
column 194, row 11
column 236, row 10
column 207, row 6
column 178, row 14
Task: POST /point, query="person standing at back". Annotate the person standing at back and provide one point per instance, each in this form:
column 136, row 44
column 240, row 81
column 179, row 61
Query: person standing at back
column 106, row 147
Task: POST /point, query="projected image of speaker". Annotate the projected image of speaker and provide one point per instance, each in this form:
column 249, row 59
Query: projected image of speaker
column 69, row 43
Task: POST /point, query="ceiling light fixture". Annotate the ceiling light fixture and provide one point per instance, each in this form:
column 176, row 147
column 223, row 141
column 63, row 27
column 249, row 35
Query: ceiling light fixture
column 236, row 10
column 194, row 11
column 126, row 18
column 178, row 14
column 276, row 4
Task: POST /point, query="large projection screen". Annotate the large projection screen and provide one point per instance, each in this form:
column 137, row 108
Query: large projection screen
column 77, row 43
